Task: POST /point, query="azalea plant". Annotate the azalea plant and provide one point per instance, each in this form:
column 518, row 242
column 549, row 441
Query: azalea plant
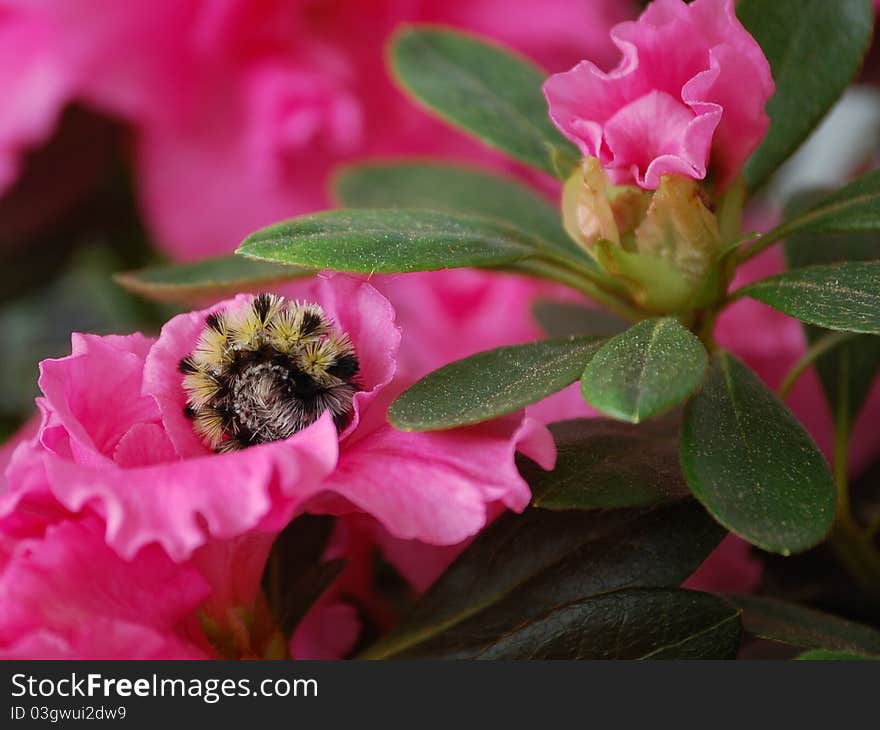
column 325, row 459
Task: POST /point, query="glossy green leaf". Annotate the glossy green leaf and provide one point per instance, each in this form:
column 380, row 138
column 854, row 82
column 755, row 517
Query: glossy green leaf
column 844, row 296
column 848, row 371
column 752, row 465
column 807, row 248
column 209, row 278
column 389, row 241
column 609, row 464
column 543, row 560
column 645, row 371
column 563, row 319
column 853, row 208
column 455, row 189
column 806, row 628
column 637, row 623
column 491, row 384
column 483, row 89
column 815, row 49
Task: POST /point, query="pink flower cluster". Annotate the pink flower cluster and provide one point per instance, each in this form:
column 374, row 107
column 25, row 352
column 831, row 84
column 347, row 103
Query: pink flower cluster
column 114, row 475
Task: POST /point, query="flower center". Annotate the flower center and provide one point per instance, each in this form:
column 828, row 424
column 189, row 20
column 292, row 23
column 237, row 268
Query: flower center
column 267, row 371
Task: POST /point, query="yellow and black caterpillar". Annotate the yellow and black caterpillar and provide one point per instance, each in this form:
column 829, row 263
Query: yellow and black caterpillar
column 266, row 371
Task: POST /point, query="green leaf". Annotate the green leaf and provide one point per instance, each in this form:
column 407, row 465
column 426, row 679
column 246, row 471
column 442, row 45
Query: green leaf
column 389, row 241
column 806, row 628
column 455, row 189
column 209, row 278
column 645, row 371
column 491, row 384
column 485, row 90
column 848, row 371
column 294, row 577
column 815, row 49
column 834, row 656
column 853, row 208
column 813, row 248
column 637, row 623
column 562, row 319
column 603, row 463
column 752, row 465
column 844, row 296
column 543, row 560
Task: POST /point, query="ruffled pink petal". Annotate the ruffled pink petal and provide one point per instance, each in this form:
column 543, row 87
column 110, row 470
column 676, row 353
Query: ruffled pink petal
column 103, row 445
column 102, row 639
column 144, row 444
column 582, row 99
column 70, row 590
column 742, row 124
column 94, row 393
column 660, row 136
column 143, row 489
column 435, row 486
column 178, row 504
column 695, row 57
column 27, row 505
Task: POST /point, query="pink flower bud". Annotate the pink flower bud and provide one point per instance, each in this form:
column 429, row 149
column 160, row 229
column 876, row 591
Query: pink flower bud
column 687, row 97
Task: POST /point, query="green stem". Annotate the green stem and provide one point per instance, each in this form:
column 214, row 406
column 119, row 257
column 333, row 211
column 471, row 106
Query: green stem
column 703, row 327
column 729, row 212
column 764, row 242
column 575, row 280
column 818, row 348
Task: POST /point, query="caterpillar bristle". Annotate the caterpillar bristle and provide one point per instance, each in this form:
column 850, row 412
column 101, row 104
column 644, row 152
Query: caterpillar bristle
column 266, row 370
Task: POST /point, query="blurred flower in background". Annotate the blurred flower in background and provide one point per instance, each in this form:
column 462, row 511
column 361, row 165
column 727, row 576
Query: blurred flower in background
column 238, row 109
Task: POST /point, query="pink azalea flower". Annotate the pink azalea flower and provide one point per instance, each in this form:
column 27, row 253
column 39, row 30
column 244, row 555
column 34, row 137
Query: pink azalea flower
column 690, row 90
column 115, row 438
column 54, row 604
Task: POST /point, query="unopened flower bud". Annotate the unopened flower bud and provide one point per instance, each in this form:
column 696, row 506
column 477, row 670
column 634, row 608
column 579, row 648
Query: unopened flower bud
column 663, row 246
